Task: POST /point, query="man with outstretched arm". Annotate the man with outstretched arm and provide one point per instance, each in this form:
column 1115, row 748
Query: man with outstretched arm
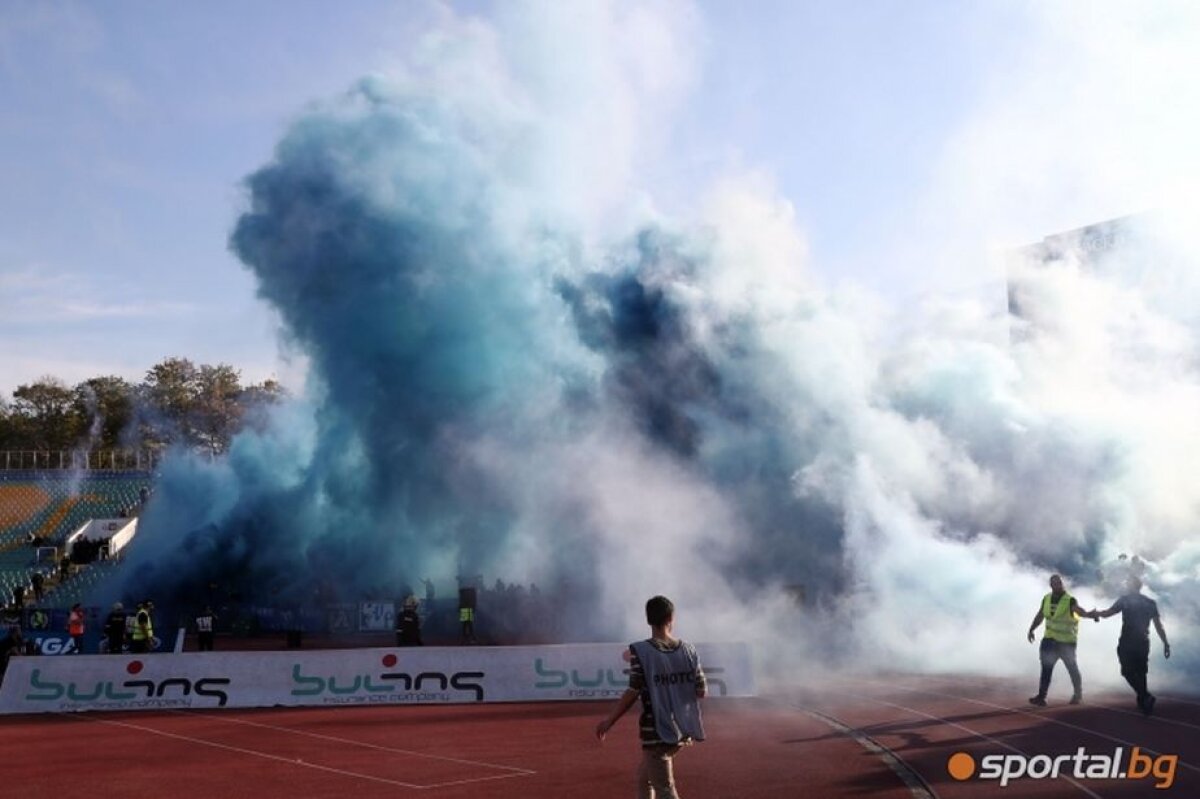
column 1061, row 613
column 665, row 673
column 1133, row 648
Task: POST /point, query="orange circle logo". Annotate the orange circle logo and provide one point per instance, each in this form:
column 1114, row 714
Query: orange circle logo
column 961, row 766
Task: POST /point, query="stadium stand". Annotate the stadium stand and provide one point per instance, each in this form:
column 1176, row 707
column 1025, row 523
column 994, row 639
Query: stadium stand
column 51, row 506
column 40, row 510
column 80, row 585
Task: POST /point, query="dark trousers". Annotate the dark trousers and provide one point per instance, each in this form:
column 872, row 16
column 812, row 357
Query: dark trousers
column 1051, row 652
column 205, row 640
column 1135, row 662
column 115, row 644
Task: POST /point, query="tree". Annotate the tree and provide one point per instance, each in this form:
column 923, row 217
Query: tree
column 171, row 386
column 106, row 405
column 196, row 406
column 201, row 407
column 257, row 400
column 216, row 412
column 9, row 435
column 46, row 413
column 164, row 401
column 268, row 392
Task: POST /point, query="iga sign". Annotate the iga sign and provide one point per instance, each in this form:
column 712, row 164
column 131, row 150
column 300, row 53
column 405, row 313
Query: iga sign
column 418, row 675
column 53, row 644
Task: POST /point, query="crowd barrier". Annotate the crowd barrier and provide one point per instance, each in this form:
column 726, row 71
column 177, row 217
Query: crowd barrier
column 418, row 675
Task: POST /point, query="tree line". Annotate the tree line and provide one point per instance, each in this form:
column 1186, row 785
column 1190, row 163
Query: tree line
column 178, row 403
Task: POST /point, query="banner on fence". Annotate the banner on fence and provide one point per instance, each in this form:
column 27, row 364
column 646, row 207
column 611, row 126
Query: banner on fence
column 376, row 616
column 428, row 675
column 342, row 618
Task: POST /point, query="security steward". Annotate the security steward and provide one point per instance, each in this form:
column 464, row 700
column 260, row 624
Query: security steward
column 143, row 628
column 466, row 618
column 1061, row 613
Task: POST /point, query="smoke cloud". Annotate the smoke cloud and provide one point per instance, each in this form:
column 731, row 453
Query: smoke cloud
column 585, row 394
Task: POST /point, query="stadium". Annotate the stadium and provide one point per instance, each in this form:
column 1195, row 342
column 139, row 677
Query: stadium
column 489, row 400
column 337, row 708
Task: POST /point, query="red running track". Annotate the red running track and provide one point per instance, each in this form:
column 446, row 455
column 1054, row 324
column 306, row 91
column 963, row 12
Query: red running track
column 851, row 737
column 925, row 720
column 518, row 750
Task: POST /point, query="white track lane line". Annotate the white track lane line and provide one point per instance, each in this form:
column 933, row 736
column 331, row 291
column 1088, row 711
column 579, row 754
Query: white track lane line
column 364, row 744
column 268, row 756
column 1152, row 719
column 969, row 731
column 252, row 752
column 1023, row 712
column 911, row 778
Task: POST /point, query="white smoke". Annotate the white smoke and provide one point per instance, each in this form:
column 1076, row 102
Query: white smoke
column 921, row 468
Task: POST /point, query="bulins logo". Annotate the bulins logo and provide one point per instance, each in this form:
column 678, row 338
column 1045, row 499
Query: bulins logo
column 599, row 678
column 413, row 686
column 602, row 682
column 106, row 691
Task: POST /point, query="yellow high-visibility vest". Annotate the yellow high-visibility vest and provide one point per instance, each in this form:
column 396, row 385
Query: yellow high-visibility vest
column 1061, row 624
column 141, row 633
column 466, row 614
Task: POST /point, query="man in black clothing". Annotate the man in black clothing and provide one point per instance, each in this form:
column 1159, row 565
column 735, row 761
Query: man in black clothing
column 13, row 642
column 408, row 625
column 114, row 629
column 204, row 629
column 1133, row 647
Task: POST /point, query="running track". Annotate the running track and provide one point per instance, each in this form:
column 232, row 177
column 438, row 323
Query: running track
column 850, row 737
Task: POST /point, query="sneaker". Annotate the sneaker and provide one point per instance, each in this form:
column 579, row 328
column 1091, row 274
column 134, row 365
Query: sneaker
column 1037, row 700
column 1076, row 699
column 1148, row 704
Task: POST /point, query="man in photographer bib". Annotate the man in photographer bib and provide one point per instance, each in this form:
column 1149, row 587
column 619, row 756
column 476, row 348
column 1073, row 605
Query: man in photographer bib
column 665, row 673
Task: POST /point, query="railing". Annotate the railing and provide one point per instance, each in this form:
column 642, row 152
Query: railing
column 108, row 460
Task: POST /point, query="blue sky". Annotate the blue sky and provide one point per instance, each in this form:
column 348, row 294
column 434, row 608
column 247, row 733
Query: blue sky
column 910, row 139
